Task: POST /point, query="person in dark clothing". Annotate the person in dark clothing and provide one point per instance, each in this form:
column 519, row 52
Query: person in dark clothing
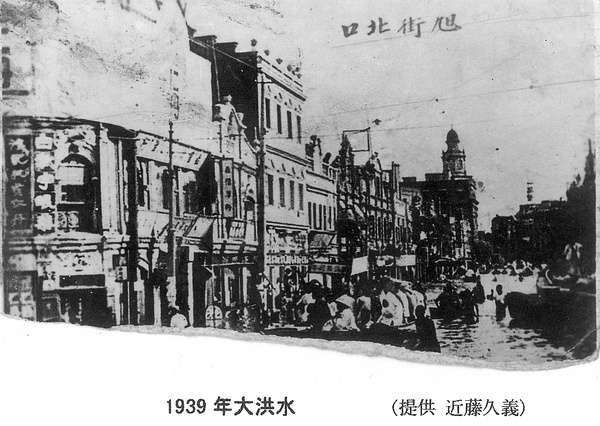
column 478, row 296
column 468, row 306
column 448, row 303
column 426, row 335
column 319, row 312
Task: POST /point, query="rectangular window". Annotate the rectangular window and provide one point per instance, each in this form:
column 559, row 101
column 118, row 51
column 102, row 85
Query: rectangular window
column 190, row 197
column 329, row 218
column 290, row 128
column 143, row 184
column 315, row 224
column 324, row 217
column 299, row 128
column 282, row 192
column 268, row 113
column 300, row 196
column 279, row 129
column 320, row 226
column 292, row 195
column 166, row 188
column 270, row 189
column 310, row 222
column 177, row 192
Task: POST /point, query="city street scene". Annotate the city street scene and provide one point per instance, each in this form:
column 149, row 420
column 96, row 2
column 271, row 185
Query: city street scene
column 417, row 176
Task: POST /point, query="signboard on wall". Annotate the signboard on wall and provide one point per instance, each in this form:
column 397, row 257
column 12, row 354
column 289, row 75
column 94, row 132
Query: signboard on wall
column 327, row 268
column 228, row 188
column 286, row 259
column 18, row 182
column 44, row 189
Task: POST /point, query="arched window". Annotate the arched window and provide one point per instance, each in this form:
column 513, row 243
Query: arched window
column 76, row 193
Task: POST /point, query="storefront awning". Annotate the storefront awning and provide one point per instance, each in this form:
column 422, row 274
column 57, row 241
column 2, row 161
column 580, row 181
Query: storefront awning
column 320, row 240
column 199, row 228
column 189, row 227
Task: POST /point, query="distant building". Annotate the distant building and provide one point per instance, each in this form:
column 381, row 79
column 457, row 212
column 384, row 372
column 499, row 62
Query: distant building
column 447, row 225
column 504, row 238
column 540, row 232
column 374, row 225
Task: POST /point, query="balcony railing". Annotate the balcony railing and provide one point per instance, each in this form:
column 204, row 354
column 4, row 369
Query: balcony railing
column 236, row 229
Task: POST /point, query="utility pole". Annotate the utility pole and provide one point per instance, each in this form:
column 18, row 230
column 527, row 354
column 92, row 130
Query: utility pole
column 171, row 244
column 260, row 183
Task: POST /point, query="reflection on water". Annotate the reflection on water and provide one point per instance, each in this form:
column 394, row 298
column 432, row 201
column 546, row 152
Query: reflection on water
column 502, row 340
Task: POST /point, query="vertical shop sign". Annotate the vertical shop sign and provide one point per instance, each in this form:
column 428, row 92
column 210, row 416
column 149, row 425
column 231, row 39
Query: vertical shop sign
column 44, row 201
column 18, row 188
column 228, row 189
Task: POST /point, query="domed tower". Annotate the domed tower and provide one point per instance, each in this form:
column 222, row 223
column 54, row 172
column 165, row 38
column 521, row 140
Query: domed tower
column 454, row 158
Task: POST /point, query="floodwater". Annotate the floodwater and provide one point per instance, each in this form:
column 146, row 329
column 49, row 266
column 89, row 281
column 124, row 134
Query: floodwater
column 501, row 340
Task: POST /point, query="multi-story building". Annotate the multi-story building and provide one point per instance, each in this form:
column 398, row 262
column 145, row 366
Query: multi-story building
column 504, row 239
column 65, row 236
column 270, row 98
column 321, row 194
column 374, row 225
column 541, row 232
column 448, row 225
column 105, row 226
column 67, row 104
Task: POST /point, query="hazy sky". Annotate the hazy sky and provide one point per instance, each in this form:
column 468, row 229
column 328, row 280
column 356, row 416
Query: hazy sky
column 516, row 82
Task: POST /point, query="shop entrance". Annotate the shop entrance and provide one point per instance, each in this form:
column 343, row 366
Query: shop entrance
column 83, row 300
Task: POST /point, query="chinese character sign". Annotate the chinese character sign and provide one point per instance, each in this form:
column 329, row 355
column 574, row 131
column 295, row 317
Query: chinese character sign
column 44, row 195
column 18, row 182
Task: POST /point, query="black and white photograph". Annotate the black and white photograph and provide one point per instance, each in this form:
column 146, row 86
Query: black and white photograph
column 399, row 180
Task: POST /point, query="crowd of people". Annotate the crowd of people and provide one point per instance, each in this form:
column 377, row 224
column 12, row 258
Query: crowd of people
column 378, row 308
column 389, row 301
column 453, row 304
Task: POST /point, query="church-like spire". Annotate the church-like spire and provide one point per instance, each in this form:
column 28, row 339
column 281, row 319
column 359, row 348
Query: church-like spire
column 452, row 139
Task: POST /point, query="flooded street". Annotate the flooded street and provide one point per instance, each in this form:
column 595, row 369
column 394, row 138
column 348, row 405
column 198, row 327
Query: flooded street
column 501, row 341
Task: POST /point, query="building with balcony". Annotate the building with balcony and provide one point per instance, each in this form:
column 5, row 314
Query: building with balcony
column 122, row 230
column 269, row 97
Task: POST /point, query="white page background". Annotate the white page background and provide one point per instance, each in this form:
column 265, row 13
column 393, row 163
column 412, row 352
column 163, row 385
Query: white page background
column 69, row 375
